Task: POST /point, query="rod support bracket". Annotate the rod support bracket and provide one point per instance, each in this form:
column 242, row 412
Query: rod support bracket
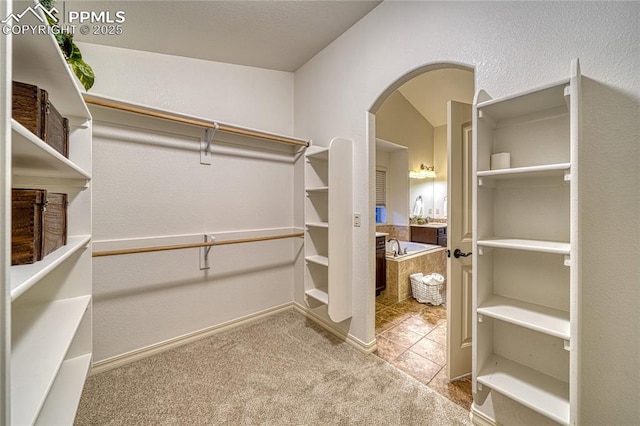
column 208, row 249
column 204, row 253
column 205, row 152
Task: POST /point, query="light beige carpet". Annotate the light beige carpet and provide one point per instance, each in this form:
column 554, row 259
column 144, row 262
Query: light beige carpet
column 281, row 370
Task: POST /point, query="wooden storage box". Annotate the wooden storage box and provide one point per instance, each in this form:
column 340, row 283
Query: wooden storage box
column 55, row 222
column 38, row 224
column 32, row 109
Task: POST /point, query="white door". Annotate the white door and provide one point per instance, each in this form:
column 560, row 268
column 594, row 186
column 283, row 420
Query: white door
column 459, row 230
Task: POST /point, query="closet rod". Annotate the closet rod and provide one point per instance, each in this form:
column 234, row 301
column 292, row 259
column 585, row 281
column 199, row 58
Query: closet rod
column 192, row 245
column 179, row 118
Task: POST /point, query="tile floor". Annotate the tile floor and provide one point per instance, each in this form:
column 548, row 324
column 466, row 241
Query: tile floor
column 412, row 336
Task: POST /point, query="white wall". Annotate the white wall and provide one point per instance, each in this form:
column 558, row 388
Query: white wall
column 382, row 159
column 440, row 162
column 399, row 188
column 150, row 189
column 246, row 96
column 513, row 46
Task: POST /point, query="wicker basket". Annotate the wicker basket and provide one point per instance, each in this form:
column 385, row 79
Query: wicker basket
column 428, row 288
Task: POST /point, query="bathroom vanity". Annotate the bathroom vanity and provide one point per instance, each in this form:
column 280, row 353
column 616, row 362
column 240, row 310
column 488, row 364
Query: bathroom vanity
column 381, row 264
column 431, row 233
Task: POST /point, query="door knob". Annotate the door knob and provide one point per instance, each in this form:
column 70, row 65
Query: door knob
column 457, row 253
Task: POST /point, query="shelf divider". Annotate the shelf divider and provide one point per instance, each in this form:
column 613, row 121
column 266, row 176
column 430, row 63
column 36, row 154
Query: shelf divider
column 319, row 154
column 318, row 189
column 23, row 277
column 541, row 393
column 52, row 72
column 319, row 260
column 31, row 156
column 319, row 295
column 545, row 170
column 33, row 371
column 318, row 225
column 528, row 102
column 553, row 322
column 554, row 247
column 62, row 403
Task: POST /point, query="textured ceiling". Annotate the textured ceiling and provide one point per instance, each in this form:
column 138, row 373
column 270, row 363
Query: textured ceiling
column 430, row 92
column 280, row 35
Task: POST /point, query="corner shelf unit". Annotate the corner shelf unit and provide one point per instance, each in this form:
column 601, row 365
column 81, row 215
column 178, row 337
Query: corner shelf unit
column 48, row 323
column 328, row 240
column 525, row 254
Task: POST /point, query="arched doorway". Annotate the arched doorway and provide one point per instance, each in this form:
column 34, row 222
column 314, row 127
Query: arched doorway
column 412, row 133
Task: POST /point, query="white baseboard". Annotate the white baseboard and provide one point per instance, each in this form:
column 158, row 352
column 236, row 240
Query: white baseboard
column 478, row 418
column 327, row 325
column 138, row 354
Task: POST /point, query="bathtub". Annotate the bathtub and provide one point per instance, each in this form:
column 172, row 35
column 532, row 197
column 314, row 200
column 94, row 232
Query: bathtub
column 412, row 248
column 425, row 258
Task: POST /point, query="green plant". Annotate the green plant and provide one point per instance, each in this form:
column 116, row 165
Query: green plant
column 71, row 52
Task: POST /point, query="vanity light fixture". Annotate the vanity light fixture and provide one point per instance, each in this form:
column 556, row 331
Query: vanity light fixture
column 423, row 173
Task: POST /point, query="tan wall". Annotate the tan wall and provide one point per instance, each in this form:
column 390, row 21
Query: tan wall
column 399, row 122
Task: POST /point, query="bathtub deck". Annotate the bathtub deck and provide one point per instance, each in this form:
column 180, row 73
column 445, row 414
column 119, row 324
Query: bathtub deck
column 400, row 268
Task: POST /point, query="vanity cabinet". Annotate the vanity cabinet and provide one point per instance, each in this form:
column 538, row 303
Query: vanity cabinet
column 429, row 234
column 381, row 264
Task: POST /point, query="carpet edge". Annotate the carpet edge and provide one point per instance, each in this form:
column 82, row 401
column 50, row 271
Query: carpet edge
column 175, row 342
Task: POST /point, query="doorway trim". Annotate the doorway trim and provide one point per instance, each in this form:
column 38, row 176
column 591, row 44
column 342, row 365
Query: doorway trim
column 422, row 69
column 371, row 145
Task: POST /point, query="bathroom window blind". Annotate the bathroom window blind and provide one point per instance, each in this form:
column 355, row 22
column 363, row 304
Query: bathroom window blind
column 381, row 188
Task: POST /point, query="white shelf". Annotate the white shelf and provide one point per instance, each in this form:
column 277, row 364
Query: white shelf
column 319, row 295
column 553, row 247
column 541, row 393
column 317, row 225
column 547, row 170
column 62, row 403
column 50, row 325
column 526, row 302
column 328, row 236
column 41, row 336
column 529, row 102
column 23, row 277
column 546, row 320
column 319, row 260
column 33, row 157
column 320, row 189
column 38, row 60
column 319, row 154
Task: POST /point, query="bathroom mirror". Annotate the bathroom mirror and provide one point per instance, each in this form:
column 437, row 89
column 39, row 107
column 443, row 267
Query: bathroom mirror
column 422, row 196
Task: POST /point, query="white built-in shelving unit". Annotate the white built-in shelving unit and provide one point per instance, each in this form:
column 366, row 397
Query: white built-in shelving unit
column 328, row 227
column 47, row 326
column 526, row 275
